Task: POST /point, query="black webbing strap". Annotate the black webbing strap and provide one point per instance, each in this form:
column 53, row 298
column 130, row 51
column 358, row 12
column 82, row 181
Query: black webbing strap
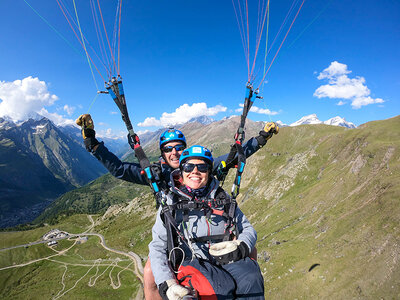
column 116, row 90
column 232, row 158
column 210, row 238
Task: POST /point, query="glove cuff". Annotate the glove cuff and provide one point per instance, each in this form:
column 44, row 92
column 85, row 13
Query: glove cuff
column 244, row 249
column 162, row 290
column 90, row 143
column 263, row 137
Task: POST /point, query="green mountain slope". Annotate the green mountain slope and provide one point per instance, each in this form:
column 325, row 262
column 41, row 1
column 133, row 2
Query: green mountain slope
column 324, row 201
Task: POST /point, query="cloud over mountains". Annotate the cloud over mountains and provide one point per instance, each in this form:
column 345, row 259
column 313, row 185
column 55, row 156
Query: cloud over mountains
column 183, row 114
column 21, row 99
column 340, row 86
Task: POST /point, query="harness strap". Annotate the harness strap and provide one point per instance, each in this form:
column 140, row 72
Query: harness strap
column 232, row 159
column 210, row 238
column 116, row 91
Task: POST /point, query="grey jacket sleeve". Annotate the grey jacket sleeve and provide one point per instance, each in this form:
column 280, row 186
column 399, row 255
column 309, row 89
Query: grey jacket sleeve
column 158, row 252
column 246, row 231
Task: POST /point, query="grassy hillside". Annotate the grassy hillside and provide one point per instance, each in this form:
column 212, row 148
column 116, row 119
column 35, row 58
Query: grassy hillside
column 324, row 201
column 84, row 271
column 327, row 196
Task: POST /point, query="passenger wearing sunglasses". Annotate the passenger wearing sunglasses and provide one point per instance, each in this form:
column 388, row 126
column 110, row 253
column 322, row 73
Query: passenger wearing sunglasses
column 209, row 255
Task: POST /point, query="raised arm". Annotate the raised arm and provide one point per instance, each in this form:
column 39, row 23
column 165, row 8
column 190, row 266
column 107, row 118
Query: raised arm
column 253, row 144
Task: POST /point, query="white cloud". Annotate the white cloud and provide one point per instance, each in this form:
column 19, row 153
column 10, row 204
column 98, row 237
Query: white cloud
column 334, row 70
column 141, row 132
column 56, row 118
column 340, row 103
column 258, row 110
column 109, row 133
column 361, row 101
column 150, row 121
column 113, row 112
column 183, row 114
column 340, row 86
column 21, row 99
column 69, row 109
column 343, row 87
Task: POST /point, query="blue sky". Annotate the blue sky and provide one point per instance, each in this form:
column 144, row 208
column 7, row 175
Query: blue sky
column 185, row 58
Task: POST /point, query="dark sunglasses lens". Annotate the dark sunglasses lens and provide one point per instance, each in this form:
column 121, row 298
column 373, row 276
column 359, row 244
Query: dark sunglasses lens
column 188, row 168
column 177, row 148
column 203, row 168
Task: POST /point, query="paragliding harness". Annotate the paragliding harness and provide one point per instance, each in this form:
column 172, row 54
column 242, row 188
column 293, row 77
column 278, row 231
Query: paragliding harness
column 218, row 204
column 115, row 89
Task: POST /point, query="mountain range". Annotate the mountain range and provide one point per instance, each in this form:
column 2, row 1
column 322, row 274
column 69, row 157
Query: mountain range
column 313, row 120
column 38, row 162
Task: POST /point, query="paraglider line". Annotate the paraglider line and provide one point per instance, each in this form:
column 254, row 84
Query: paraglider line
column 114, row 36
column 78, row 39
column 104, row 26
column 63, row 10
column 55, row 30
column 84, row 46
column 119, row 34
column 240, row 28
column 316, row 17
column 298, row 11
column 100, row 39
column 258, row 42
column 248, row 42
column 282, row 25
column 91, row 104
column 266, row 41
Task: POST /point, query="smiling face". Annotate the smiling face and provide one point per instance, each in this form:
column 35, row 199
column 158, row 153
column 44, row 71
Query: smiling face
column 195, row 179
column 172, row 158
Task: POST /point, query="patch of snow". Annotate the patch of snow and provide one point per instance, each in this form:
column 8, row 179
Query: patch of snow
column 338, row 121
column 310, row 119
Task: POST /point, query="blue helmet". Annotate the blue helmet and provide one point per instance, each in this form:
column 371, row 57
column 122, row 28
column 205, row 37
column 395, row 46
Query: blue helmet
column 198, row 152
column 172, row 135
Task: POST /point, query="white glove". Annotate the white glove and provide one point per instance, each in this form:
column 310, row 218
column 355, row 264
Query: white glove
column 176, row 291
column 229, row 251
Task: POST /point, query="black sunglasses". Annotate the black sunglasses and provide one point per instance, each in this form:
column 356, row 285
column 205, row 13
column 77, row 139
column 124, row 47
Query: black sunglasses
column 188, row 167
column 167, row 149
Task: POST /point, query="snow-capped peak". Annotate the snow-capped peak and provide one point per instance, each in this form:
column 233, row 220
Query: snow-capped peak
column 281, row 124
column 202, row 120
column 338, row 121
column 310, row 119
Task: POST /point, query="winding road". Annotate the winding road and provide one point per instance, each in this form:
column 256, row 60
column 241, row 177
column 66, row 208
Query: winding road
column 131, row 255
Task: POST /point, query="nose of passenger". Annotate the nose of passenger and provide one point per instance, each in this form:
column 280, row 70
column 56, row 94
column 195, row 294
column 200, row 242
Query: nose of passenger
column 195, row 170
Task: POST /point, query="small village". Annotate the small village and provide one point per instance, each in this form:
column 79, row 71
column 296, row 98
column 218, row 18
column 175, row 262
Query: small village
column 54, row 234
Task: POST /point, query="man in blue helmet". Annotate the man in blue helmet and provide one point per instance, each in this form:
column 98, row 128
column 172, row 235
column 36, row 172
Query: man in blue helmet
column 172, row 143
